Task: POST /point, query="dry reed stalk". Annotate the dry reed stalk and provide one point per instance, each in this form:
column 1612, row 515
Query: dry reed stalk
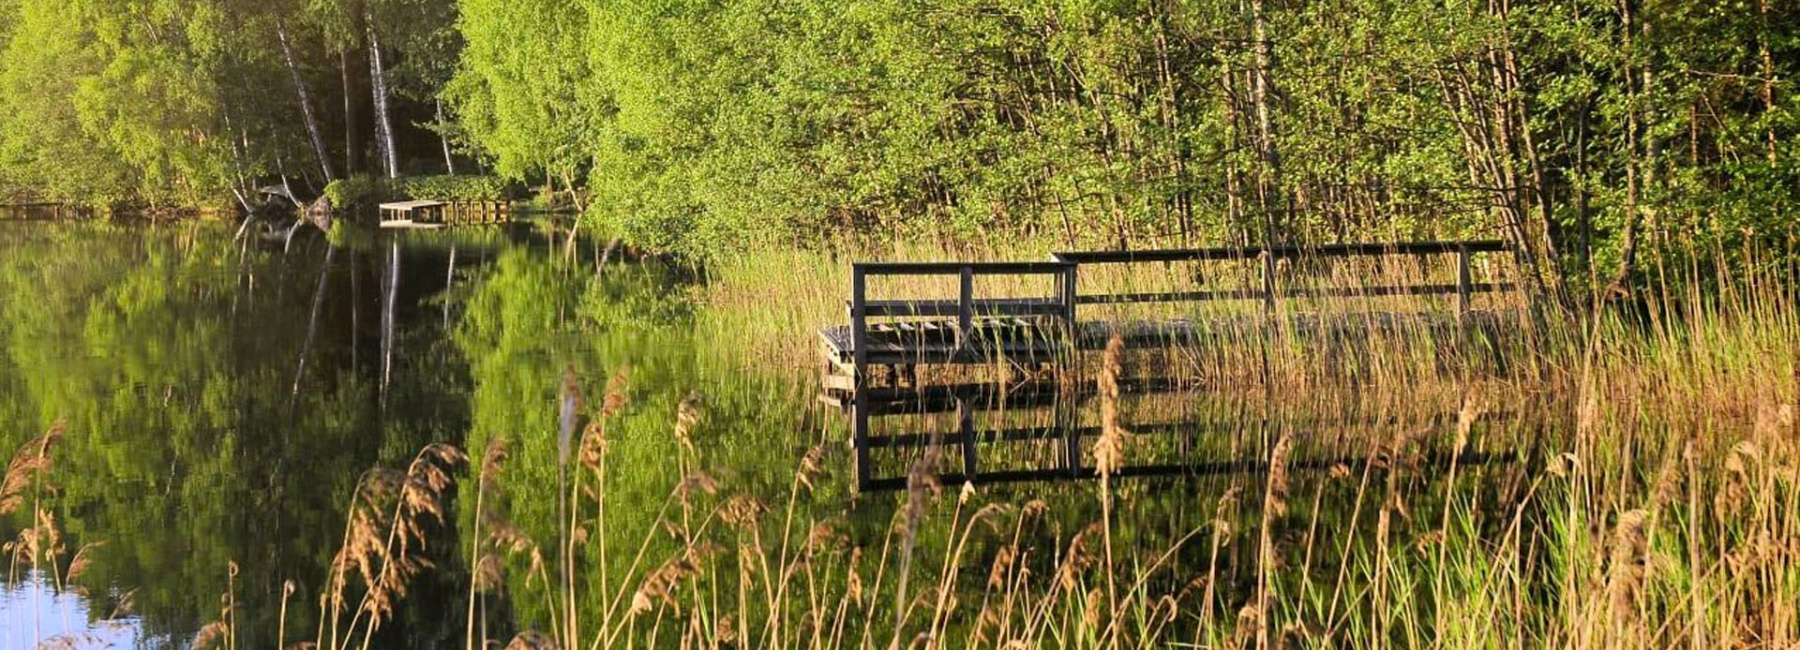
column 921, row 482
column 1222, row 529
column 953, row 562
column 660, row 583
column 1249, row 629
column 287, row 592
column 1274, row 509
column 78, row 567
column 385, row 532
column 28, row 474
column 1109, row 450
column 29, row 469
column 485, row 568
column 1109, row 455
column 591, row 454
column 221, row 633
column 1667, row 485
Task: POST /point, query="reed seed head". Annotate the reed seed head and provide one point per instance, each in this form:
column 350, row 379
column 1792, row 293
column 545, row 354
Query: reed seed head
column 687, row 419
column 1109, row 450
column 532, row 640
column 618, row 394
column 30, row 466
column 1278, row 476
column 1627, row 564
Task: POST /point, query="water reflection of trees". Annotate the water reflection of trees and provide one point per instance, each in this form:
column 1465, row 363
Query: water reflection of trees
column 171, row 354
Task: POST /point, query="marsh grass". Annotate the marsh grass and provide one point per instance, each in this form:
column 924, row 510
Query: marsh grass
column 1654, row 502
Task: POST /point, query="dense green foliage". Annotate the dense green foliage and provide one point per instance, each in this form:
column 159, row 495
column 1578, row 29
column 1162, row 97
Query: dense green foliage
column 180, row 102
column 365, row 191
column 1631, row 126
column 1587, row 130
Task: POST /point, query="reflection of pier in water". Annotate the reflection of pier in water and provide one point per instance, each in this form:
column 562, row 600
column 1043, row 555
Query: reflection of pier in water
column 1057, row 427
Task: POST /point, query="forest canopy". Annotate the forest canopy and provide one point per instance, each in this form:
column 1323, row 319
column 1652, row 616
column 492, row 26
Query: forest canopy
column 1585, row 130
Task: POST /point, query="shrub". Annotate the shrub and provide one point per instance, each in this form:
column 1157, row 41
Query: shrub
column 360, row 192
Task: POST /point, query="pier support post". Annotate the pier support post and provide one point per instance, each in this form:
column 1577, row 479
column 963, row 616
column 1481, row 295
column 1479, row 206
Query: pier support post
column 859, row 379
column 965, row 310
column 965, row 426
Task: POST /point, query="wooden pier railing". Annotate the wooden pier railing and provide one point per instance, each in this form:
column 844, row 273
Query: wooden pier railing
column 1464, row 288
column 1047, row 328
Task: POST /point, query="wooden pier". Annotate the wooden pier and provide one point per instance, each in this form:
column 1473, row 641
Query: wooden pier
column 431, row 215
column 1046, row 334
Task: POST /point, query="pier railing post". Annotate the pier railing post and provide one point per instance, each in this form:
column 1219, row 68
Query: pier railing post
column 859, row 322
column 1069, row 300
column 1463, row 284
column 965, row 310
column 965, row 426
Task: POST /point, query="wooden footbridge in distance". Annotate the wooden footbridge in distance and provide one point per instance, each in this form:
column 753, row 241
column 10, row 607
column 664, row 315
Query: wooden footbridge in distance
column 1044, row 335
column 432, row 214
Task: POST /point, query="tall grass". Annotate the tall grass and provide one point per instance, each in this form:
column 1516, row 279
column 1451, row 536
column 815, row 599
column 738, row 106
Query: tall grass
column 1654, row 502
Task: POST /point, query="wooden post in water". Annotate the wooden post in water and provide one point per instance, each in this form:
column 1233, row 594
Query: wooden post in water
column 965, row 310
column 859, row 379
column 965, row 425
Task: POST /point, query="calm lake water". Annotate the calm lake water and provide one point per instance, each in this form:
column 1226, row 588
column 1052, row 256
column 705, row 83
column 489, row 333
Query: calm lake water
column 220, row 403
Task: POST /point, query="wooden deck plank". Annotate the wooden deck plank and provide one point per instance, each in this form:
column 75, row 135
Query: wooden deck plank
column 411, row 205
column 995, row 337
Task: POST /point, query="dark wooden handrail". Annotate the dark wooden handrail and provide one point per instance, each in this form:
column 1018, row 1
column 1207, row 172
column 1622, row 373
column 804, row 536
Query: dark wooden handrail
column 1061, row 306
column 1463, row 289
column 956, row 268
column 1281, row 252
column 980, row 306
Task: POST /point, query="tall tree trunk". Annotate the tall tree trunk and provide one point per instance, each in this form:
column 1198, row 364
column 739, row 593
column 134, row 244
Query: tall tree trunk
column 1768, row 74
column 1269, row 180
column 1580, row 189
column 1171, row 123
column 1620, row 285
column 1550, row 253
column 306, row 105
column 353, row 98
column 384, row 126
column 449, row 162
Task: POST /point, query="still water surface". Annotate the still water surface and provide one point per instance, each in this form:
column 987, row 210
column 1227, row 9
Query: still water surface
column 220, row 402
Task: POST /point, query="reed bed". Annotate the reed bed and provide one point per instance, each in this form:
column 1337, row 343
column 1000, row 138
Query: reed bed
column 1650, row 498
column 1651, row 501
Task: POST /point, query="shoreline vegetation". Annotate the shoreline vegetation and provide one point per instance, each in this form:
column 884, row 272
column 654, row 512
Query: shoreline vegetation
column 1640, row 156
column 1653, row 500
column 1603, row 140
